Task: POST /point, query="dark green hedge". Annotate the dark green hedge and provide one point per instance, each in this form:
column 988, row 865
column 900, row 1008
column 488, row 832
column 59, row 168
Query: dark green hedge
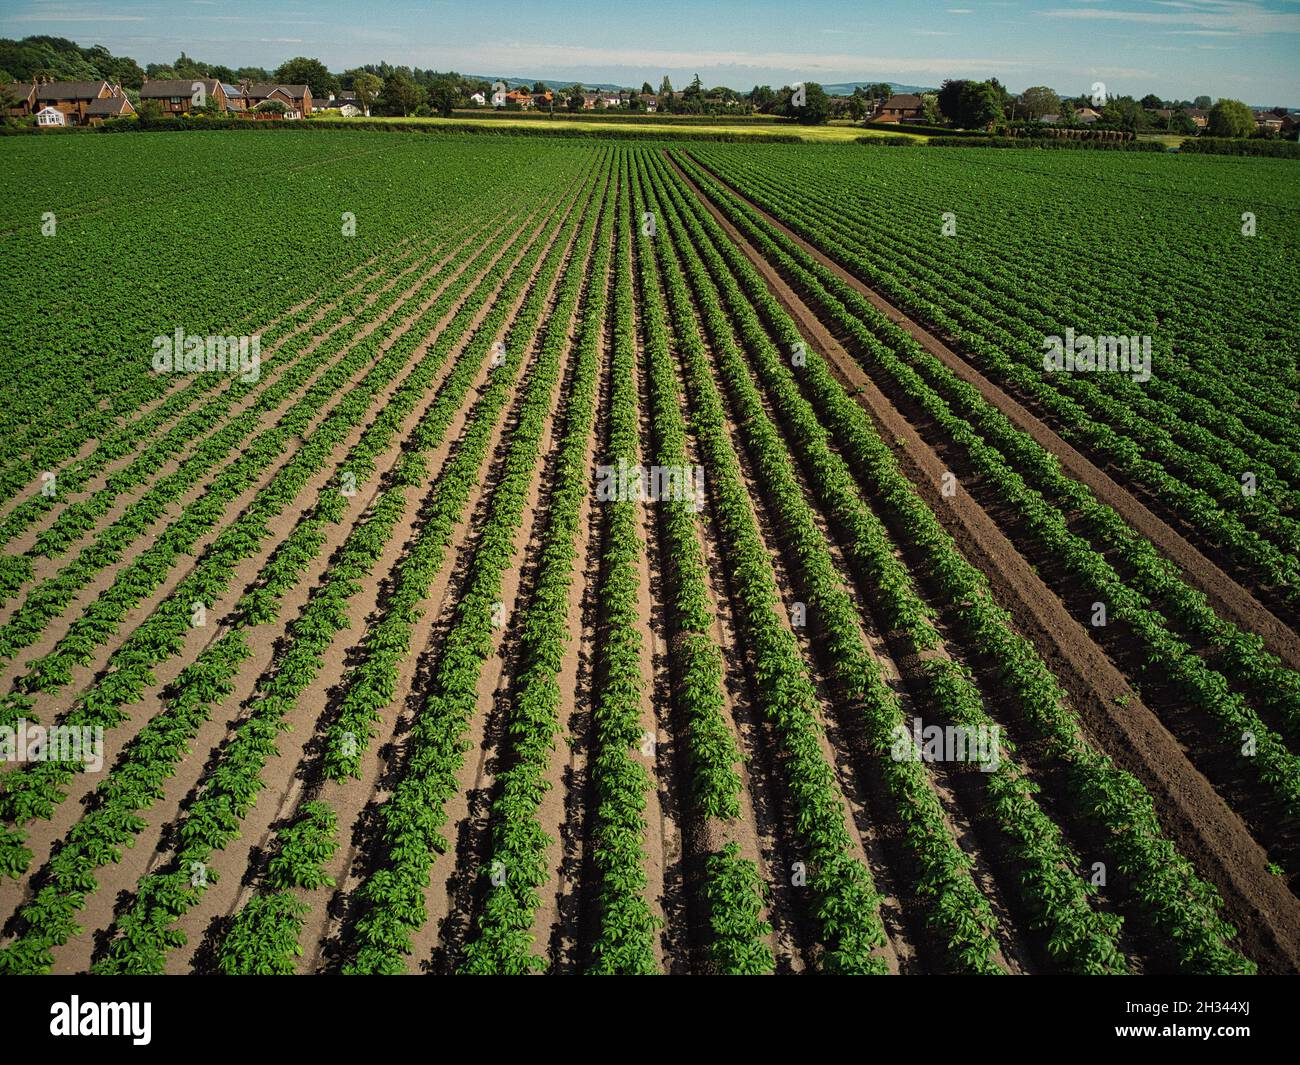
column 1050, row 143
column 1231, row 146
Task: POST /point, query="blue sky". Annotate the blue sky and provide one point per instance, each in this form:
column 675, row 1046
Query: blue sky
column 1248, row 49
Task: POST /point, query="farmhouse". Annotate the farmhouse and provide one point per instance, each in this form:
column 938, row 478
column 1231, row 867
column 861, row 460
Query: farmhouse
column 650, row 100
column 178, row 95
column 520, row 96
column 478, row 99
column 901, row 107
column 1086, row 116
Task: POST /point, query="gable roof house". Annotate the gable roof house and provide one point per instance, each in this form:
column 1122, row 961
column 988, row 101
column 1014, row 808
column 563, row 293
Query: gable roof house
column 114, row 106
column 650, row 100
column 520, row 96
column 51, row 116
column 1086, row 116
column 296, row 98
column 901, row 107
column 71, row 98
column 179, row 95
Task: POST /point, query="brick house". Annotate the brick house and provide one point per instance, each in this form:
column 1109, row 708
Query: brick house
column 296, row 98
column 901, row 107
column 113, row 106
column 178, row 95
column 72, row 99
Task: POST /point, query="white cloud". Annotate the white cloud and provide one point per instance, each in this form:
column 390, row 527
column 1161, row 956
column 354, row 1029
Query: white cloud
column 1226, row 17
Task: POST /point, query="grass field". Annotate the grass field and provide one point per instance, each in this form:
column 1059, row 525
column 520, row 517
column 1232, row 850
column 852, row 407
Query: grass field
column 636, row 558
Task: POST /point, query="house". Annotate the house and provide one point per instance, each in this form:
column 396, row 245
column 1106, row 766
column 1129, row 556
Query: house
column 901, row 107
column 51, row 116
column 478, row 99
column 520, row 96
column 544, row 99
column 115, row 106
column 650, row 100
column 1199, row 116
column 236, row 102
column 179, row 95
column 349, row 106
column 296, row 98
column 71, row 98
column 1086, row 116
column 1049, row 120
column 1268, row 122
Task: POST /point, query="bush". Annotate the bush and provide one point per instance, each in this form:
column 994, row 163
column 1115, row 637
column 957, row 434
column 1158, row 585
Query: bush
column 1031, row 143
column 1272, row 149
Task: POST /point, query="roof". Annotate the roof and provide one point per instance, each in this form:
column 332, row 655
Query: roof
column 902, row 101
column 70, row 90
column 109, row 105
column 262, row 90
column 168, row 87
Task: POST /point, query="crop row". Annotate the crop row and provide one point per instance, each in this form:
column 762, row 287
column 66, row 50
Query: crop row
column 1173, row 899
column 145, row 932
column 392, row 896
column 998, row 455
column 1051, row 885
column 503, row 941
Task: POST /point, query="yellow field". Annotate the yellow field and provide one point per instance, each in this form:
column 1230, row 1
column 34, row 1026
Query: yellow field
column 831, row 133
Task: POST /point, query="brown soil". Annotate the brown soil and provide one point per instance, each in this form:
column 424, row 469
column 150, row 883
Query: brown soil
column 1213, row 836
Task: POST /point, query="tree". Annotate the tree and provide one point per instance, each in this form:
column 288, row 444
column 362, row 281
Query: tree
column 762, row 97
column 1152, row 102
column 1039, row 100
column 1202, row 103
column 311, row 72
column 930, row 109
column 665, row 87
column 400, row 94
column 539, row 88
column 1124, row 112
column 1181, row 122
column 950, row 93
column 813, row 109
column 857, row 106
column 646, row 89
column 442, row 96
column 881, row 90
column 575, row 100
column 366, row 88
column 1231, row 118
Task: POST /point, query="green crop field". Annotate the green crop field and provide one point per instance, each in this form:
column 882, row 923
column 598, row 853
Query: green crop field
column 503, row 554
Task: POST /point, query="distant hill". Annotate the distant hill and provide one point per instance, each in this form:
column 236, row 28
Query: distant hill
column 514, row 83
column 845, row 88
